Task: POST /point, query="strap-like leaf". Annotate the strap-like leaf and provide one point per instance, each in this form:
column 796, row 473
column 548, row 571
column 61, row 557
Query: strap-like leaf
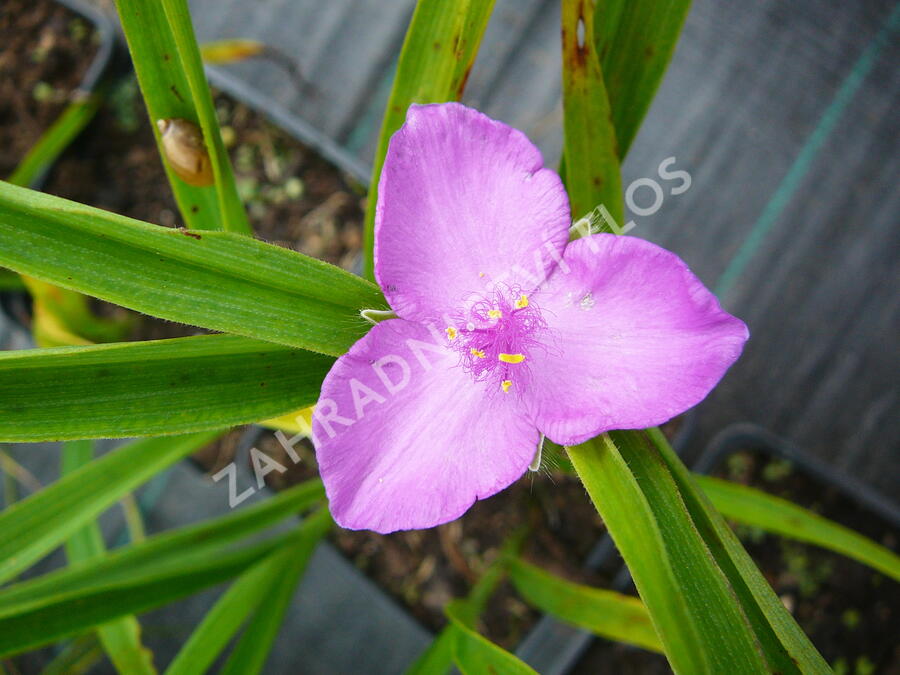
column 152, row 388
column 217, row 280
column 635, row 40
column 250, row 653
column 263, row 591
column 786, row 647
column 35, row 526
column 56, row 139
column 121, row 638
column 170, row 73
column 638, row 533
column 773, row 514
column 606, row 613
column 475, row 655
column 591, row 155
column 201, row 540
column 33, row 622
column 439, row 50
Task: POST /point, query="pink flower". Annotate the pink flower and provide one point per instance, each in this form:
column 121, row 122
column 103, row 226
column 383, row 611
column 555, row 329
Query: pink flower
column 506, row 330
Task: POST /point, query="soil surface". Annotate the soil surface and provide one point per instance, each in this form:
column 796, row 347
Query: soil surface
column 44, row 52
column 849, row 611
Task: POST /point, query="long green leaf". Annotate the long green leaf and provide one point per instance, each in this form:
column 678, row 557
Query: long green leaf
column 77, row 657
column 35, row 526
column 265, row 591
column 10, row 281
column 606, row 613
column 120, row 638
column 434, row 64
column 204, row 540
column 638, row 535
column 786, row 646
column 152, row 388
column 590, row 153
column 217, row 280
column 168, row 84
column 230, row 206
column 56, row 139
column 773, row 514
column 38, row 621
column 635, row 40
column 250, row 653
column 475, row 655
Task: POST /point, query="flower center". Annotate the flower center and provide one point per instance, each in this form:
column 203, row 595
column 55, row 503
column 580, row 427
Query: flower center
column 495, row 336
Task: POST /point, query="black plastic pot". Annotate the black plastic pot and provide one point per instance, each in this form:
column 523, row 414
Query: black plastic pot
column 16, row 305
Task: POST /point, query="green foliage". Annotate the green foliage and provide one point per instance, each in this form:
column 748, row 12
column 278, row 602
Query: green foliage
column 591, row 155
column 605, row 613
column 785, row 645
column 773, row 514
column 700, row 626
column 216, row 280
column 263, row 592
column 120, row 638
column 474, row 655
column 35, row 526
column 170, row 72
column 635, row 40
column 57, row 138
column 165, row 386
column 141, row 576
column 434, row 64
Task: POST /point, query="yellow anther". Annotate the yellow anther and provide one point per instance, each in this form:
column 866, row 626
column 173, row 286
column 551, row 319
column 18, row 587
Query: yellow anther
column 451, row 333
column 495, row 313
column 511, row 358
column 480, row 275
column 476, row 352
column 505, row 385
column 522, row 302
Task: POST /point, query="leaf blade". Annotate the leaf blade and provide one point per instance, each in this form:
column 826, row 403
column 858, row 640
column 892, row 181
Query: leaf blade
column 120, row 638
column 217, row 280
column 165, row 387
column 635, row 40
column 250, row 653
column 474, row 654
column 590, row 153
column 34, row 526
column 612, row 615
column 773, row 514
column 167, row 94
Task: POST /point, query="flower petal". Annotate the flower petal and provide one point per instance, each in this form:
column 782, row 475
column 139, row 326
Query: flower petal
column 635, row 339
column 463, row 203
column 404, row 446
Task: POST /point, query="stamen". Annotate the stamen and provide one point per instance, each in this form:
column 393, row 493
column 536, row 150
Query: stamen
column 505, row 385
column 494, row 313
column 477, row 353
column 451, row 333
column 511, row 358
column 522, row 302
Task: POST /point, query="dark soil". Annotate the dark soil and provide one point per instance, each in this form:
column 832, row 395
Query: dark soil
column 44, row 52
column 849, row 611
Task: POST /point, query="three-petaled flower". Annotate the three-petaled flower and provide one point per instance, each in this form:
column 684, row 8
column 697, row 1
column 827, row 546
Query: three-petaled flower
column 506, row 330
